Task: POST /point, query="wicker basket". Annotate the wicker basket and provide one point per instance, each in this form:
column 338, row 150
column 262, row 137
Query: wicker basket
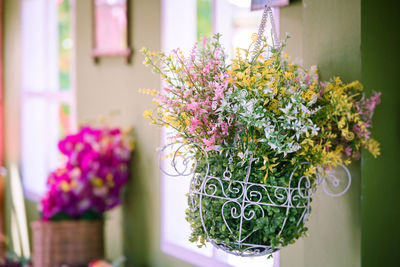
column 67, row 242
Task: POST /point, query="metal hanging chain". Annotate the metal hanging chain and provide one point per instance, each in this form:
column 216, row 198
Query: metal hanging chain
column 266, row 14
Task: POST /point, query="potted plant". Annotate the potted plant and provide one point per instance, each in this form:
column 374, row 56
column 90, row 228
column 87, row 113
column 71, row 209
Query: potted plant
column 257, row 134
column 88, row 183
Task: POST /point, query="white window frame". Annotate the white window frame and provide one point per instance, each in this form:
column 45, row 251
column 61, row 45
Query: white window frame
column 182, row 33
column 49, row 91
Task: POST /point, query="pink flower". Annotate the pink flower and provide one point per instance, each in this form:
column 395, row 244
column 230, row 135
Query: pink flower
column 219, row 92
column 224, row 128
column 366, row 106
column 194, row 123
column 209, row 142
column 347, row 151
column 360, row 133
column 193, row 106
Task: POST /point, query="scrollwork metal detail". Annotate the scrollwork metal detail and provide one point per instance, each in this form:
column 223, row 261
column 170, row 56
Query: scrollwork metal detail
column 336, row 184
column 243, row 200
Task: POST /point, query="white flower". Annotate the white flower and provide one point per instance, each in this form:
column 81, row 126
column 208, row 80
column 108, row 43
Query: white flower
column 243, row 93
column 273, row 146
column 267, row 90
column 314, row 130
column 286, row 109
column 304, row 109
column 249, row 106
column 214, row 105
column 75, row 173
column 313, row 99
column 294, row 147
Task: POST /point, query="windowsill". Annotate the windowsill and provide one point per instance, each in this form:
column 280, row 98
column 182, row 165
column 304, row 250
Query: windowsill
column 31, row 196
column 190, row 256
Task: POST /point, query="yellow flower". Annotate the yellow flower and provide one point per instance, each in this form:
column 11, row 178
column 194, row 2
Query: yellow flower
column 144, row 50
column 342, row 123
column 148, row 114
column 347, row 134
column 248, row 82
column 273, row 106
column 270, row 166
column 64, row 186
column 254, row 37
column 373, row 147
column 310, row 172
column 234, row 66
column 97, row 182
column 146, row 61
column 285, row 55
column 240, row 75
column 169, row 118
column 337, row 80
column 330, row 135
column 308, row 95
column 355, row 85
column 308, row 141
column 289, row 75
column 275, row 89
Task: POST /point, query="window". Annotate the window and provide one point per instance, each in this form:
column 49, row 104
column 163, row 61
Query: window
column 201, row 18
column 47, row 88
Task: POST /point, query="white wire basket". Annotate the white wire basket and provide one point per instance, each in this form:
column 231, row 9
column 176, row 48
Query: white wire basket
column 236, row 205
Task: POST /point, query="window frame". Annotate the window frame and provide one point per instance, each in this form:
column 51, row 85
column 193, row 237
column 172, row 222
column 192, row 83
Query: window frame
column 57, row 96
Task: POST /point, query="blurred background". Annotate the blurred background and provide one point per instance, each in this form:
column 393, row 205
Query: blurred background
column 68, row 62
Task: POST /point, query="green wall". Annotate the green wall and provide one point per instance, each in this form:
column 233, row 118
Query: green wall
column 113, row 85
column 327, row 34
column 381, row 177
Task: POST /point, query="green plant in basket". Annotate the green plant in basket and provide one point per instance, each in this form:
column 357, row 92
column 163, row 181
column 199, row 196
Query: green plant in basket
column 266, row 129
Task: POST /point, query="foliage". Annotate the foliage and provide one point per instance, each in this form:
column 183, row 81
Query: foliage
column 261, row 106
column 92, row 177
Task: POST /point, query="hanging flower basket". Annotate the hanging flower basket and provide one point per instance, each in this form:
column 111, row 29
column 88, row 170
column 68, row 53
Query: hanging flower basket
column 257, row 136
column 232, row 209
